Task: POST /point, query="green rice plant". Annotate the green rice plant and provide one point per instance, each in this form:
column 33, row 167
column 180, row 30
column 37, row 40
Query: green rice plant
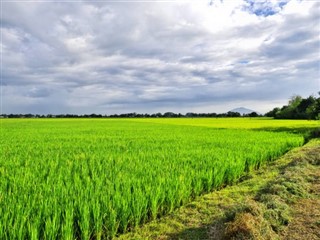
column 52, row 224
column 97, row 219
column 96, row 178
column 68, row 223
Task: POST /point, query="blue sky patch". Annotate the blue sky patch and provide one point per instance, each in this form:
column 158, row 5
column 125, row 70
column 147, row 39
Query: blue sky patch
column 264, row 8
column 243, row 62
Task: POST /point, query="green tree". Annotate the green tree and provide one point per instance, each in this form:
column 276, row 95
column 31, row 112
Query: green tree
column 313, row 111
column 273, row 112
column 298, row 108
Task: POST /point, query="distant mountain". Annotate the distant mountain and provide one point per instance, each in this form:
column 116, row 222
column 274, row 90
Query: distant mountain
column 243, row 110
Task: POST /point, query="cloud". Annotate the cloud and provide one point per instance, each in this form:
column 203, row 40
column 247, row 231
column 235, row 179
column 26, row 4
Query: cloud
column 112, row 57
column 38, row 92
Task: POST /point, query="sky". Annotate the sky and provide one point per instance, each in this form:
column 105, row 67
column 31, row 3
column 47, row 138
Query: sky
column 107, row 57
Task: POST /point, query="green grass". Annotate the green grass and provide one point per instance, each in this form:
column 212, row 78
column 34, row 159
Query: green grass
column 236, row 123
column 89, row 178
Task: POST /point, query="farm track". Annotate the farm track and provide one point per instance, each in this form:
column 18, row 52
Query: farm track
column 237, row 212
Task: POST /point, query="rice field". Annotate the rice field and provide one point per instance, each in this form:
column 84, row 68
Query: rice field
column 96, row 178
column 237, row 123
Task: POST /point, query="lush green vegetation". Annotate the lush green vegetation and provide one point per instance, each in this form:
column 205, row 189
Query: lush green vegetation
column 298, row 108
column 238, row 123
column 90, row 178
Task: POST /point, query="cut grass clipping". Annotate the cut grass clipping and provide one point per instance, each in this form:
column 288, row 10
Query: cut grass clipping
column 270, row 213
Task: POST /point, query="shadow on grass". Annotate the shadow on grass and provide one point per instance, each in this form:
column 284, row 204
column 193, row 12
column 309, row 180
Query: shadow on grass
column 307, row 132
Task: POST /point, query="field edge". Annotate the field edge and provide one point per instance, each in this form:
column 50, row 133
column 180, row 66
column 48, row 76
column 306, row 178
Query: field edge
column 266, row 204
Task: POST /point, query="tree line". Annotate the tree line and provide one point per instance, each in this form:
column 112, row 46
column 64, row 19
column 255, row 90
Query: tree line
column 134, row 115
column 298, row 108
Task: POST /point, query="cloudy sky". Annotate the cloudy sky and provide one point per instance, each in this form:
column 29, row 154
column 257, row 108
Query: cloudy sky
column 156, row 56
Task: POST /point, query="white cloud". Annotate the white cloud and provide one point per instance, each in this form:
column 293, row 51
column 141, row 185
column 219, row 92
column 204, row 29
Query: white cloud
column 121, row 56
